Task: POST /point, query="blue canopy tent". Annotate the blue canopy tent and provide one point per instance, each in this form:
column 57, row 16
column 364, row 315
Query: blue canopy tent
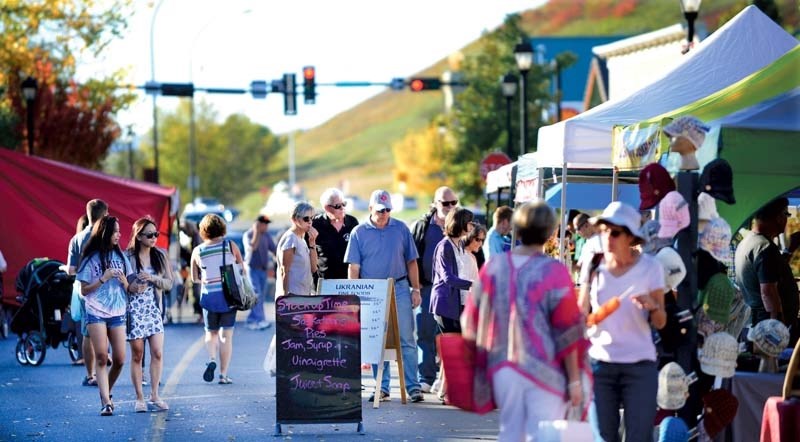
column 591, row 196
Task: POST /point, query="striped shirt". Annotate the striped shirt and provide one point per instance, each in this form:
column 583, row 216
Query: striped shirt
column 210, row 262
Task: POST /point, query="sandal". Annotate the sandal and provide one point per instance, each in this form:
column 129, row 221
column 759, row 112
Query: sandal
column 223, row 379
column 208, row 375
column 89, row 382
column 159, row 405
column 107, row 410
column 140, row 407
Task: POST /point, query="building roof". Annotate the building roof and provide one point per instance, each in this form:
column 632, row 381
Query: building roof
column 658, row 37
column 573, row 79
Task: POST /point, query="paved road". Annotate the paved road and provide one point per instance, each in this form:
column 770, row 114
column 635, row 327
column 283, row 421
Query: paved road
column 48, row 403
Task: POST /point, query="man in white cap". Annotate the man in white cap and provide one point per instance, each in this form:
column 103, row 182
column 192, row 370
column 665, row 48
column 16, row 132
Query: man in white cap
column 381, row 248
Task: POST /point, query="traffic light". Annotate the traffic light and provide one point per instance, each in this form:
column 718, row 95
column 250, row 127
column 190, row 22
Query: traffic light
column 420, row 84
column 309, row 85
column 289, row 95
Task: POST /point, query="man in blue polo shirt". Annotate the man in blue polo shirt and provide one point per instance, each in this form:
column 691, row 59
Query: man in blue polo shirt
column 380, row 248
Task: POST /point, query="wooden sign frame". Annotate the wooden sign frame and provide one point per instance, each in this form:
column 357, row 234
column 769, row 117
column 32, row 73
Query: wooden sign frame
column 391, row 347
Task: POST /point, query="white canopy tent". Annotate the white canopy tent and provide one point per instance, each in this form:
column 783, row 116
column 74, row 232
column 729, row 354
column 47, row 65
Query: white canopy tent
column 748, row 42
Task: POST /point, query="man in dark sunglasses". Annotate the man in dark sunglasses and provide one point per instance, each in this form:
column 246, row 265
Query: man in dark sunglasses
column 381, row 248
column 258, row 244
column 427, row 232
column 334, row 227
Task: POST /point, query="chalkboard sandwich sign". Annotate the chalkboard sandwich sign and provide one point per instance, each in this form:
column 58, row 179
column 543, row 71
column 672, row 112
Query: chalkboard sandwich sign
column 318, row 360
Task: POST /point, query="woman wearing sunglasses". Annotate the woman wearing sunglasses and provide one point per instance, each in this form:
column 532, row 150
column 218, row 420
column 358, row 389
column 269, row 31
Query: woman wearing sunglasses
column 103, row 273
column 153, row 276
column 622, row 350
column 296, row 259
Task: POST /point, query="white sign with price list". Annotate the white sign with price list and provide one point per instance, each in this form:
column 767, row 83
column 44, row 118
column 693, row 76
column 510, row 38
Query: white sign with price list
column 374, row 295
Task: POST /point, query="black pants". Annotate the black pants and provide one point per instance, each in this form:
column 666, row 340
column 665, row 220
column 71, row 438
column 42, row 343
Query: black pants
column 448, row 325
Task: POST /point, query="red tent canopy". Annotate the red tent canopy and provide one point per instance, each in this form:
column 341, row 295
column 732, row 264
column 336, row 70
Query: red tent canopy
column 41, row 201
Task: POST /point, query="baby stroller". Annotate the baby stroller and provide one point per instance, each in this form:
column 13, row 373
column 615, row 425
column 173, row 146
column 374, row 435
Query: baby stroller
column 45, row 291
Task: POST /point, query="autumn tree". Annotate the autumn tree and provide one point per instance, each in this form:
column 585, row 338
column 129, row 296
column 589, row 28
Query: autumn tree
column 419, row 160
column 46, row 40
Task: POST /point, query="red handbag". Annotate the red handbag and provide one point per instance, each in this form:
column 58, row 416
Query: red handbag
column 468, row 387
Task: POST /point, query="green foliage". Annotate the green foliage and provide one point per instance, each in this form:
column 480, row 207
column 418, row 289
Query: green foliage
column 478, row 123
column 232, row 157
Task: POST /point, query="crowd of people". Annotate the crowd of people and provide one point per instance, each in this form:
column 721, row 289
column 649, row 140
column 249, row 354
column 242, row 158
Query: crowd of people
column 580, row 335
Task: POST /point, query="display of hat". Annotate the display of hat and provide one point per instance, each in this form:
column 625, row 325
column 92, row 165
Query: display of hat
column 718, row 356
column 652, row 243
column 673, row 429
column 717, row 180
column 674, row 268
column 717, row 298
column 654, row 184
column 706, row 207
column 719, row 409
column 673, row 214
column 770, row 336
column 690, row 128
column 621, row 214
column 715, row 238
column 673, row 387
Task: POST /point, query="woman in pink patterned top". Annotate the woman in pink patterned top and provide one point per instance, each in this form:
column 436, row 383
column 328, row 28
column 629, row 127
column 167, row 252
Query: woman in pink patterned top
column 524, row 318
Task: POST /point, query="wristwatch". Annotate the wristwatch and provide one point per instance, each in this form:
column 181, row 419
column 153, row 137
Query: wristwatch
column 415, row 290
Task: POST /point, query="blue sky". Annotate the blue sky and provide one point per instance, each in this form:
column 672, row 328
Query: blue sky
column 229, row 44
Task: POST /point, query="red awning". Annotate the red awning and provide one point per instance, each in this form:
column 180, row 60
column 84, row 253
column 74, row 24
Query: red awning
column 41, row 201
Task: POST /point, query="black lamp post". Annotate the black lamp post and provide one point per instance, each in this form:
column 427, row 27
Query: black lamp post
column 29, row 86
column 523, row 52
column 690, row 10
column 509, row 86
column 557, row 69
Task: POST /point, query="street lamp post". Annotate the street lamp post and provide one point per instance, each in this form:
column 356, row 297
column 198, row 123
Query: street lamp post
column 153, row 79
column 690, row 10
column 29, row 87
column 557, row 69
column 509, row 86
column 523, row 53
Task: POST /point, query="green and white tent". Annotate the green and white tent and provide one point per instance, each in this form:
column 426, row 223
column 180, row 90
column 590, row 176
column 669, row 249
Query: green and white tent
column 755, row 126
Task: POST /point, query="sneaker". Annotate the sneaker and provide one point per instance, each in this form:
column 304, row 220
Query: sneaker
column 140, row 407
column 384, row 397
column 437, row 385
column 416, row 396
column 251, row 326
column 208, row 375
column 263, row 325
column 425, row 387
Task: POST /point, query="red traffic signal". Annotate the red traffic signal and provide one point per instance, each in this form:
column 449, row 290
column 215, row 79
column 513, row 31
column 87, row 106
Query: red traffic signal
column 424, row 84
column 309, row 85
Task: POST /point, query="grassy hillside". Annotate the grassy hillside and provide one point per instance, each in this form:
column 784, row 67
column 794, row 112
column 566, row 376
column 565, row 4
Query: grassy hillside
column 356, row 144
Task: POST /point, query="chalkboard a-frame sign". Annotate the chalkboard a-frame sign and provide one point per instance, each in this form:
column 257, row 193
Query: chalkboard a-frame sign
column 318, row 358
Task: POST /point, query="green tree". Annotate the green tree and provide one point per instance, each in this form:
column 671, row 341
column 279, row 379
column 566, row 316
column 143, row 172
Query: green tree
column 478, row 122
column 233, row 157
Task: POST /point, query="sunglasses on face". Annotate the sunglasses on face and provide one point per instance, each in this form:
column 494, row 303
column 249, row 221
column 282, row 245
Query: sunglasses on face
column 480, row 240
column 338, row 206
column 614, row 233
column 449, row 203
column 306, row 219
column 582, row 225
column 150, row 235
column 382, row 211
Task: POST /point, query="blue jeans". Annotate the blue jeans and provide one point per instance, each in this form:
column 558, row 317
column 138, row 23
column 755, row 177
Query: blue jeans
column 426, row 338
column 405, row 322
column 634, row 386
column 259, row 280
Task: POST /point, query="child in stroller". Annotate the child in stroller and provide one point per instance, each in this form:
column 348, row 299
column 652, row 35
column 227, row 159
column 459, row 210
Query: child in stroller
column 45, row 291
